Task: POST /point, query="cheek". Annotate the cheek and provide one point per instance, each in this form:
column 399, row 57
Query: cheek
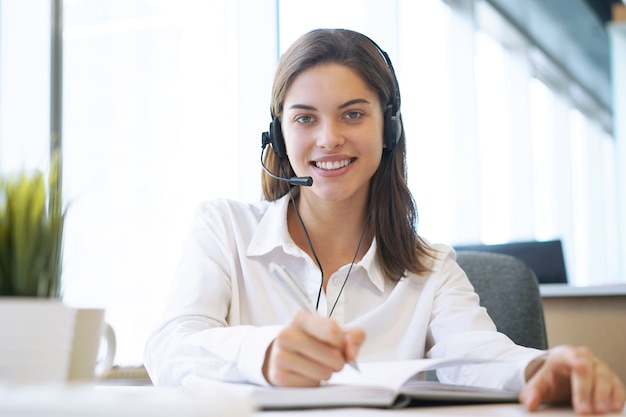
column 294, row 147
column 377, row 159
column 376, row 144
column 376, row 152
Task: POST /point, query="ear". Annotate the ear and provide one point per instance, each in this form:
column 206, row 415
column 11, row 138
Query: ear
column 393, row 129
column 276, row 138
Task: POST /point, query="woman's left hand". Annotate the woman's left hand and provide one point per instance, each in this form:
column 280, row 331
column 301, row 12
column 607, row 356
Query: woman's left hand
column 574, row 374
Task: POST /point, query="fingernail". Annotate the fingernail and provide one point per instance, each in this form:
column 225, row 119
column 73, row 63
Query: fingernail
column 583, row 407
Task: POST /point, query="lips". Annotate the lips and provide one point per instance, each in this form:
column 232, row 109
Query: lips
column 333, row 165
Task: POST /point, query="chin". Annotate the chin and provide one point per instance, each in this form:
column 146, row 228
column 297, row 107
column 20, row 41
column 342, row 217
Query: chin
column 334, row 193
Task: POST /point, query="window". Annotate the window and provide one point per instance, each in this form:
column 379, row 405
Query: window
column 24, row 82
column 153, row 118
column 428, row 32
column 495, row 141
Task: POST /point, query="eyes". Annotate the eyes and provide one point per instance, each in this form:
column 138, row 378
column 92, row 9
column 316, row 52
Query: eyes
column 306, row 119
column 351, row 115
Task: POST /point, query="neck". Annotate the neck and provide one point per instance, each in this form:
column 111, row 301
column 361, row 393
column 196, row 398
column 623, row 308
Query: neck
column 334, row 228
column 343, row 220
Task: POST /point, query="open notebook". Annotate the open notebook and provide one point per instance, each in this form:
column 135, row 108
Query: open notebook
column 378, row 384
column 381, row 384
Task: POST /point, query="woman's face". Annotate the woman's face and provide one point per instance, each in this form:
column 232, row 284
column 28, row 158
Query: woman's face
column 333, row 128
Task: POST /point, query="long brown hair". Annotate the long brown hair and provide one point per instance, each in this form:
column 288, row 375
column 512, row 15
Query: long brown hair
column 393, row 214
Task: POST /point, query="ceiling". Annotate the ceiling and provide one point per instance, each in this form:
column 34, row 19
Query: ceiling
column 573, row 34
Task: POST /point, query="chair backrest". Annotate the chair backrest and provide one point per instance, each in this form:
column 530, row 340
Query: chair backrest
column 509, row 290
column 545, row 258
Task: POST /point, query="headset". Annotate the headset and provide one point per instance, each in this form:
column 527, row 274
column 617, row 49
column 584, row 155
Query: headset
column 391, row 133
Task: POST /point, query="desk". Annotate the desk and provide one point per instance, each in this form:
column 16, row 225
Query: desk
column 141, row 401
column 593, row 316
column 500, row 410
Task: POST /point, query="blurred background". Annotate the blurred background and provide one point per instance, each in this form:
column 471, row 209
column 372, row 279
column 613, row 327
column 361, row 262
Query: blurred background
column 508, row 108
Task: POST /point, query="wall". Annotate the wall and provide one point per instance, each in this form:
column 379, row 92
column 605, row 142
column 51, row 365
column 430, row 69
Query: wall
column 594, row 320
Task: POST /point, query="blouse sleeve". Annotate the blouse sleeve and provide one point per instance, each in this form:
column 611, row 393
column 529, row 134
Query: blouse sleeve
column 460, row 327
column 195, row 337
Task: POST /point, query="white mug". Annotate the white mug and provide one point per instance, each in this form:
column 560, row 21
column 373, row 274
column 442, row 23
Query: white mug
column 92, row 335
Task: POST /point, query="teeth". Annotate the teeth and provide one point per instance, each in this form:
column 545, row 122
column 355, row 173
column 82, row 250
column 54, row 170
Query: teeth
column 329, row 166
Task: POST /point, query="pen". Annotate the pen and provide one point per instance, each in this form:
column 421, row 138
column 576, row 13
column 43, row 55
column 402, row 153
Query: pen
column 288, row 282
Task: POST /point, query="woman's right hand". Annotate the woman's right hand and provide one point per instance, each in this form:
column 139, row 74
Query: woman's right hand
column 309, row 349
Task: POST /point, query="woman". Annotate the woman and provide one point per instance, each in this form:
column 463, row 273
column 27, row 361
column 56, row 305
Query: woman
column 350, row 245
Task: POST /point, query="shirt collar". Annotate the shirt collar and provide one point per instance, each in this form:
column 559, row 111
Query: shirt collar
column 272, row 233
column 371, row 265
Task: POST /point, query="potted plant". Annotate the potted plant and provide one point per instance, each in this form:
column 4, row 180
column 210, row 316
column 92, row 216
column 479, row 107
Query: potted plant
column 36, row 329
column 31, row 236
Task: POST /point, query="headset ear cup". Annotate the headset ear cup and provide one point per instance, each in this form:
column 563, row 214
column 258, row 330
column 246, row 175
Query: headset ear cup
column 393, row 129
column 276, row 138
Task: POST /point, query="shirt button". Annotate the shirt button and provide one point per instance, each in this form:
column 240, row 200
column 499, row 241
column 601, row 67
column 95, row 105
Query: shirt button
column 337, row 281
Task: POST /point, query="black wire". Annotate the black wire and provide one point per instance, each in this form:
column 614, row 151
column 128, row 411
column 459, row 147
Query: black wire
column 306, row 234
column 358, row 246
column 310, row 243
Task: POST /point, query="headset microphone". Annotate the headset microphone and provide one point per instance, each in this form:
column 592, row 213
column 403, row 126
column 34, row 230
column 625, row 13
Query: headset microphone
column 303, row 181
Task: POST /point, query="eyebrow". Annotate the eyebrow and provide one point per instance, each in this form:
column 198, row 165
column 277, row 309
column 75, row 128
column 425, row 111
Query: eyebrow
column 342, row 106
column 355, row 101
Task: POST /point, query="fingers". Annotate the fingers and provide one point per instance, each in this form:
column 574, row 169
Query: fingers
column 583, row 381
column 608, row 392
column 308, row 350
column 618, row 396
column 353, row 338
column 595, row 388
column 545, row 386
column 530, row 397
column 574, row 374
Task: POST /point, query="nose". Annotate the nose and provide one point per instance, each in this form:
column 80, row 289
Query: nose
column 330, row 135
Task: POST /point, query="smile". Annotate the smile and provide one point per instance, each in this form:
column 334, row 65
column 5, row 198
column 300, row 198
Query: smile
column 334, row 165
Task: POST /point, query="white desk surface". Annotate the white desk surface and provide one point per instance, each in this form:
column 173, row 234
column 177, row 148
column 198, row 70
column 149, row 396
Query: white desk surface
column 499, row 410
column 134, row 401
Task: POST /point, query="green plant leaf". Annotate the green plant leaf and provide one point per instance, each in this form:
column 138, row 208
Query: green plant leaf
column 31, row 234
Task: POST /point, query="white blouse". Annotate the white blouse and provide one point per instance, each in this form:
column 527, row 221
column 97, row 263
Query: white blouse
column 226, row 307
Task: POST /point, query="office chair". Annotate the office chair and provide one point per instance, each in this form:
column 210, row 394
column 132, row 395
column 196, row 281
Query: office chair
column 545, row 258
column 509, row 290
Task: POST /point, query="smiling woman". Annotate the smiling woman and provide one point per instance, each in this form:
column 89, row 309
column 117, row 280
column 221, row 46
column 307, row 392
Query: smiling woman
column 329, row 83
column 383, row 293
